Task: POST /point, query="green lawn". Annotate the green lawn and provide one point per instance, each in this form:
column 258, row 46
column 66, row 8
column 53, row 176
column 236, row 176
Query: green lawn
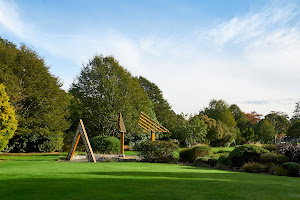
column 216, row 149
column 41, row 177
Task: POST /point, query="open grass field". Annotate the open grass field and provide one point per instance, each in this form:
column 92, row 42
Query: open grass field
column 42, row 177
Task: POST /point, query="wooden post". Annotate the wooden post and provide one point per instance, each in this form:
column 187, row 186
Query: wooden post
column 122, row 144
column 152, row 136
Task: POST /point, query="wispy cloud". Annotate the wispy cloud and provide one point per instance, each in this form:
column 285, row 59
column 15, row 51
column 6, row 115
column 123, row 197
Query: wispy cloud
column 11, row 20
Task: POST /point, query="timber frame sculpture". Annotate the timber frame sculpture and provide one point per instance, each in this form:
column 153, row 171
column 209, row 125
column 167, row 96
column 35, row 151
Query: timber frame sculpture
column 81, row 133
column 150, row 126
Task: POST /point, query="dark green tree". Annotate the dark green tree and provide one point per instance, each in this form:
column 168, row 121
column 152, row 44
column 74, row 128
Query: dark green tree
column 294, row 130
column 164, row 113
column 249, row 135
column 8, row 122
column 266, row 131
column 241, row 119
column 40, row 103
column 101, row 91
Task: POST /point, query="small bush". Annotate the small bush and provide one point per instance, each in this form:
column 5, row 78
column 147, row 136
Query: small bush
column 157, row 151
column 272, row 157
column 278, row 170
column 245, row 154
column 270, row 147
column 254, row 167
column 292, row 168
column 192, row 154
column 105, row 144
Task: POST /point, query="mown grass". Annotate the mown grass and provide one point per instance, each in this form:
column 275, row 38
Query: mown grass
column 216, row 149
column 42, row 177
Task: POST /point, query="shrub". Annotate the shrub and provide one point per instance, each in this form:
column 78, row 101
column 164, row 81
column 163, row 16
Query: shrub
column 291, row 151
column 270, row 147
column 254, row 167
column 157, row 151
column 105, row 144
column 278, row 170
column 209, row 160
column 222, row 167
column 292, row 168
column 245, row 154
column 272, row 157
column 192, row 154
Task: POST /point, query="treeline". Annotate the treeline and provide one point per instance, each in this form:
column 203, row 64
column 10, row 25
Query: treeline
column 47, row 116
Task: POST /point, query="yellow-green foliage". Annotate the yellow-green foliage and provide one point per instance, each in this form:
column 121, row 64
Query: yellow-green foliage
column 8, row 122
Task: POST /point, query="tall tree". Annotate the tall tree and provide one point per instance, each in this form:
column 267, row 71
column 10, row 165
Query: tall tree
column 40, row 103
column 164, row 113
column 241, row 119
column 254, row 117
column 8, row 122
column 294, row 130
column 296, row 115
column 101, row 91
column 219, row 110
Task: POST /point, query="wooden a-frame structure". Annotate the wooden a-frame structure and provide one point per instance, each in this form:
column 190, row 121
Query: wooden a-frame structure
column 81, row 133
column 150, row 126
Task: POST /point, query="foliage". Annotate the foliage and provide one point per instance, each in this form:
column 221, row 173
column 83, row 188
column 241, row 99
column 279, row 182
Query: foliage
column 270, row 147
column 296, row 115
column 229, row 136
column 241, row 119
column 105, row 144
column 291, row 151
column 245, row 154
column 279, row 122
column 157, row 151
column 253, row 167
column 219, row 110
column 40, row 103
column 8, row 122
column 101, row 91
column 191, row 132
column 273, row 157
column 292, row 168
column 214, row 128
column 249, row 135
column 34, row 143
column 267, row 131
column 192, row 154
column 294, row 130
column 278, row 170
column 163, row 111
column 254, row 117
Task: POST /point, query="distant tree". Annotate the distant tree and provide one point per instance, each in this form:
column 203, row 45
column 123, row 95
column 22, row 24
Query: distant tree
column 280, row 123
column 8, row 122
column 40, row 103
column 249, row 135
column 219, row 110
column 254, row 117
column 296, row 115
column 294, row 130
column 101, row 91
column 242, row 120
column 267, row 131
column 229, row 136
column 163, row 111
column 214, row 128
column 191, row 132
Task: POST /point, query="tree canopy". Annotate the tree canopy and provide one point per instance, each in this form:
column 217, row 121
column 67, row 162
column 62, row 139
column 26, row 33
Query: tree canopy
column 101, row 91
column 40, row 103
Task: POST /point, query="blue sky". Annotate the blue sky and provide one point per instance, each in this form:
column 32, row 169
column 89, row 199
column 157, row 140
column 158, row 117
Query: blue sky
column 245, row 52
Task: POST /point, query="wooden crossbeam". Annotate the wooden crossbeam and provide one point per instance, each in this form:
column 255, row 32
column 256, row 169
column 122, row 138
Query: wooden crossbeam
column 149, row 125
